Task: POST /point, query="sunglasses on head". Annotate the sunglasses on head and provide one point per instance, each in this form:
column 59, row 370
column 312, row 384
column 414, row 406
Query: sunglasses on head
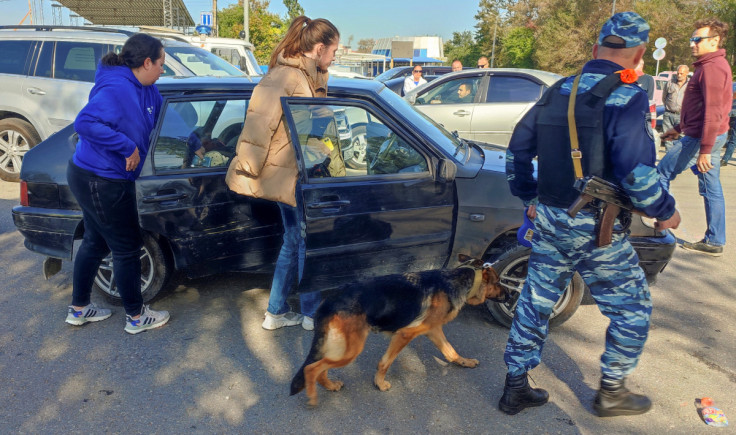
column 697, row 39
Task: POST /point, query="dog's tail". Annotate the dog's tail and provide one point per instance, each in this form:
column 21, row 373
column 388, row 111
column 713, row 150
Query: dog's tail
column 297, row 383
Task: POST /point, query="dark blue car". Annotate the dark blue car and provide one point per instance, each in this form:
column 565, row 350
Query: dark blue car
column 413, row 198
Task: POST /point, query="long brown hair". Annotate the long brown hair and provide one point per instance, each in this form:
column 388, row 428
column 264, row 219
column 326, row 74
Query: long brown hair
column 303, row 35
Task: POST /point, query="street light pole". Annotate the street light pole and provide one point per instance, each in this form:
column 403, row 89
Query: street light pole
column 613, row 9
column 214, row 18
column 246, row 21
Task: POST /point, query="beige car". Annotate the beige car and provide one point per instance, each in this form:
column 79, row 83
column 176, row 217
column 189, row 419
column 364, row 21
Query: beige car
column 482, row 104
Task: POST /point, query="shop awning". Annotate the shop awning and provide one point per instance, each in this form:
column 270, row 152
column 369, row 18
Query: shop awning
column 167, row 13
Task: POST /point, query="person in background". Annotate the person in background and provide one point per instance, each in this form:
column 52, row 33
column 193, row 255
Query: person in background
column 731, row 144
column 672, row 95
column 265, row 165
column 561, row 244
column 646, row 82
column 704, row 123
column 482, row 62
column 414, row 80
column 457, row 65
column 113, row 131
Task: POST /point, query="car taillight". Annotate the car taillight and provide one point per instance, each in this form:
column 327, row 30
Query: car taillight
column 24, row 193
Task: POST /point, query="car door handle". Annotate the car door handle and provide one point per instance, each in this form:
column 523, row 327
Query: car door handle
column 328, row 204
column 461, row 113
column 164, row 197
column 36, row 91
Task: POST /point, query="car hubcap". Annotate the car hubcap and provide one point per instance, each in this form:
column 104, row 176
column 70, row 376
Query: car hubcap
column 513, row 278
column 105, row 278
column 359, row 147
column 13, row 146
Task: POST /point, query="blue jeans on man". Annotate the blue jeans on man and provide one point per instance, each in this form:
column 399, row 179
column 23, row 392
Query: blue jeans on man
column 683, row 155
column 290, row 263
column 669, row 120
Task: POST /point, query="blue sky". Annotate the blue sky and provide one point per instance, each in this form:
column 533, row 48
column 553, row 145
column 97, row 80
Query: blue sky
column 362, row 19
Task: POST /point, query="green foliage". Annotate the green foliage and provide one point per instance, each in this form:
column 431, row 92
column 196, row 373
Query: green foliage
column 517, row 48
column 462, row 47
column 294, row 9
column 266, row 28
column 365, row 45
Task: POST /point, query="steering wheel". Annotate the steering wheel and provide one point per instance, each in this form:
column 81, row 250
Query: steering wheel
column 384, row 150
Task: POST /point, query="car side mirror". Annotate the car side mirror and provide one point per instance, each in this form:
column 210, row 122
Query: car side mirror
column 446, row 171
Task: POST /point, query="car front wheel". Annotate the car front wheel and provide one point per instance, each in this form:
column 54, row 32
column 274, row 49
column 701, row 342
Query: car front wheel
column 356, row 159
column 16, row 138
column 155, row 272
column 512, row 267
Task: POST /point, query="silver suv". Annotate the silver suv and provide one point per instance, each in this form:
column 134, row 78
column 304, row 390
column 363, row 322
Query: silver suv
column 46, row 73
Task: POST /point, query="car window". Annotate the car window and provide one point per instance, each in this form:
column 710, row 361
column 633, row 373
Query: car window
column 202, row 62
column 349, row 141
column 78, row 60
column 506, row 89
column 457, row 91
column 14, row 56
column 44, row 66
column 199, row 134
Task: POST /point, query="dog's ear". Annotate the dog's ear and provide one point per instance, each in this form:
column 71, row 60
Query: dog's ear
column 462, row 258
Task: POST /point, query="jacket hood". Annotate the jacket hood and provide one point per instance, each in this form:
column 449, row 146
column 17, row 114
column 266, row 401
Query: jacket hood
column 115, row 75
column 316, row 77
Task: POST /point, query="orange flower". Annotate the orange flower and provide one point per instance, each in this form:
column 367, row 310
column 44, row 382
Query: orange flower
column 628, row 75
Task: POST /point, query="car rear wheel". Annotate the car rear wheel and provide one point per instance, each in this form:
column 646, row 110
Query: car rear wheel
column 512, row 267
column 16, row 138
column 155, row 272
column 356, row 159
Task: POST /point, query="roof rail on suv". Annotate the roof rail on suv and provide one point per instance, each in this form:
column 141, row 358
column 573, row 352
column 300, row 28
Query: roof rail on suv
column 42, row 28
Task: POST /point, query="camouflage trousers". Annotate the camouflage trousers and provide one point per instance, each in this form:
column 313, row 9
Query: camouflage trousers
column 560, row 246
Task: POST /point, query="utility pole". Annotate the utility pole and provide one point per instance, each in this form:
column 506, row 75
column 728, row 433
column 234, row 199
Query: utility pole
column 613, row 8
column 493, row 49
column 246, row 21
column 214, row 18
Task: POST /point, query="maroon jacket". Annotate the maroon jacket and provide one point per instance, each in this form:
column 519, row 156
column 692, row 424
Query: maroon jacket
column 707, row 100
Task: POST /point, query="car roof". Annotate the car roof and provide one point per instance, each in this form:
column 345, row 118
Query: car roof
column 337, row 86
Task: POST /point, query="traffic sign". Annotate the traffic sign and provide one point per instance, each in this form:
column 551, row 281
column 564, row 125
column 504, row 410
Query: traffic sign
column 658, row 54
column 660, row 43
column 206, row 19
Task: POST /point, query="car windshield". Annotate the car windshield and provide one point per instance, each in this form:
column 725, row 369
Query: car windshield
column 451, row 143
column 202, row 62
column 388, row 74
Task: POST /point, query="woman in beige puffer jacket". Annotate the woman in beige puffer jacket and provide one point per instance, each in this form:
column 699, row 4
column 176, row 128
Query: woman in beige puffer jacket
column 265, row 165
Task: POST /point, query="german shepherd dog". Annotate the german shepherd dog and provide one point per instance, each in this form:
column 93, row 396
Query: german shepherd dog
column 404, row 305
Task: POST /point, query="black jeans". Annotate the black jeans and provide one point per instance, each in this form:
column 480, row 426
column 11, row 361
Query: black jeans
column 110, row 224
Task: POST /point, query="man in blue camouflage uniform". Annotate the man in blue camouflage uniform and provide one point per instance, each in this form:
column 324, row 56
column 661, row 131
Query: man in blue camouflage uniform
column 564, row 244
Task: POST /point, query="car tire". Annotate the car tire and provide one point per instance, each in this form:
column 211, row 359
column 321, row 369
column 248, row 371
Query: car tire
column 16, row 138
column 356, row 159
column 512, row 266
column 156, row 270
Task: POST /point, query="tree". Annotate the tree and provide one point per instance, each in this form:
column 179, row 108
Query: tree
column 462, row 47
column 365, row 45
column 294, row 9
column 266, row 28
column 517, row 48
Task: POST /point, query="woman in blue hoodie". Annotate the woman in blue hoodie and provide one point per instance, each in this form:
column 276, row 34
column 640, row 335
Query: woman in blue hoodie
column 113, row 131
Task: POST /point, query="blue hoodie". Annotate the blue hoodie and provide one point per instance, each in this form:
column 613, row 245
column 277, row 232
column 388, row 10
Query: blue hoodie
column 118, row 117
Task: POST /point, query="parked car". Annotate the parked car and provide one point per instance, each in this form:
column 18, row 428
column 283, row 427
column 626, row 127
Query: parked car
column 659, row 84
column 405, row 71
column 499, row 98
column 46, row 73
column 423, row 197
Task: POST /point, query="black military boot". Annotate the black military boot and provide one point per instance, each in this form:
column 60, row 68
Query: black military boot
column 517, row 395
column 615, row 399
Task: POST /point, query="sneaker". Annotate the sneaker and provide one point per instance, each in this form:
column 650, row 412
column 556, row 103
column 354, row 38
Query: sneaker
column 308, row 323
column 149, row 320
column 704, row 247
column 90, row 313
column 274, row 321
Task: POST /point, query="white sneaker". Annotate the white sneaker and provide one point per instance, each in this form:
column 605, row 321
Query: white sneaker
column 308, row 323
column 273, row 321
column 149, row 319
column 90, row 313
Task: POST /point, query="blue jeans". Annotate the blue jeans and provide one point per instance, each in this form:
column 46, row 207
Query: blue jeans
column 110, row 224
column 669, row 120
column 290, row 264
column 682, row 156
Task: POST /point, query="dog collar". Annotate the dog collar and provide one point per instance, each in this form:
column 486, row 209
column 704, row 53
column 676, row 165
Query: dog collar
column 475, row 290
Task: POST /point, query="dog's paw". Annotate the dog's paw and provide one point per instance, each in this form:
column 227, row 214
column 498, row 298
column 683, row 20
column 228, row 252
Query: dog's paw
column 334, row 386
column 467, row 362
column 382, row 385
column 312, row 401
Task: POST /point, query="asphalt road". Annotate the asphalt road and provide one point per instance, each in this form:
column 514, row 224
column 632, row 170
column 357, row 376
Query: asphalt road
column 212, row 369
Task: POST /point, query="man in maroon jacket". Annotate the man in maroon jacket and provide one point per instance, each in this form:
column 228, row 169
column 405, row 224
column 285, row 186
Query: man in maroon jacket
column 704, row 123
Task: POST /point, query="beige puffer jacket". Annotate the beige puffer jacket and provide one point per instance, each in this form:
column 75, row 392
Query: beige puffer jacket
column 265, row 164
